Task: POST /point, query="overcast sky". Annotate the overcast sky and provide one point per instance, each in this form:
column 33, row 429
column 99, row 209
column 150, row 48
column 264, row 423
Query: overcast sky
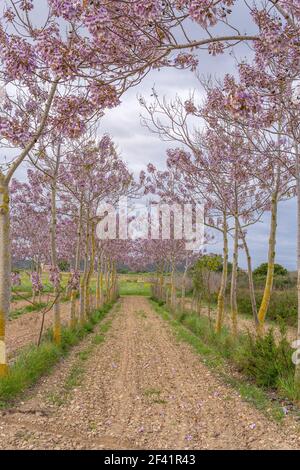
column 139, row 147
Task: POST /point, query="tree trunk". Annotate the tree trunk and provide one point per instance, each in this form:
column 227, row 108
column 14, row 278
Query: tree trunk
column 110, row 281
column 101, row 282
column 107, row 280
column 209, row 297
column 183, row 289
column 250, row 279
column 73, row 308
column 233, row 287
column 194, row 301
column 199, row 303
column 76, row 267
column 5, row 250
column 56, row 306
column 173, row 289
column 98, row 293
column 161, row 285
column 90, row 273
column 271, row 260
column 5, row 271
column 222, row 291
column 167, row 297
column 84, row 277
column 114, row 282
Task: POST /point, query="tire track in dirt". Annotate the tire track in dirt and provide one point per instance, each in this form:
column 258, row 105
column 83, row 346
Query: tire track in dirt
column 140, row 369
column 142, row 390
column 157, row 385
column 125, row 390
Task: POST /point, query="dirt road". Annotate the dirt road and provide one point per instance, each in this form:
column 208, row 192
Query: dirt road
column 141, row 389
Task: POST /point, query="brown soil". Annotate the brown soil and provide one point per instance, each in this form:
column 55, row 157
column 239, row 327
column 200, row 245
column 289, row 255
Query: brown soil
column 26, row 328
column 141, row 389
column 21, row 302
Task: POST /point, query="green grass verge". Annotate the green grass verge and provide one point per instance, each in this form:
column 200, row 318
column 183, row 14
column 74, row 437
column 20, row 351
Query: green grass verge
column 214, row 353
column 34, row 361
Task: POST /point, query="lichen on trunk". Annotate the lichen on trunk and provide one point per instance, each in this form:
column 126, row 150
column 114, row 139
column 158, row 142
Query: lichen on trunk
column 53, row 227
column 222, row 290
column 90, row 271
column 250, row 279
column 271, row 261
column 234, row 273
column 77, row 265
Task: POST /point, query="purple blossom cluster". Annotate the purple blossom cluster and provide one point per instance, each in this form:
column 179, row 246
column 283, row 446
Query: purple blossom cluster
column 186, row 61
column 190, row 107
column 74, row 280
column 15, row 279
column 36, row 282
column 54, row 276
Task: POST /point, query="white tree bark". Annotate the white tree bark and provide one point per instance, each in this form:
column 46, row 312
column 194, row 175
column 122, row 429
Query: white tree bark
column 56, row 306
column 77, row 266
column 233, row 287
column 222, row 291
column 250, row 280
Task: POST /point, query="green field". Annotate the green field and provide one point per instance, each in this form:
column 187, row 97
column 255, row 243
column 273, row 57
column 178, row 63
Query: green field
column 130, row 284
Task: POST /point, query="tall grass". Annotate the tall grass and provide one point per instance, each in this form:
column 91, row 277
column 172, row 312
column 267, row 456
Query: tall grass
column 283, row 305
column 265, row 361
column 215, row 352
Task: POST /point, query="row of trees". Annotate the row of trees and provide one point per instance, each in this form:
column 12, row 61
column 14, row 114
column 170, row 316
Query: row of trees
column 241, row 160
column 54, row 218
